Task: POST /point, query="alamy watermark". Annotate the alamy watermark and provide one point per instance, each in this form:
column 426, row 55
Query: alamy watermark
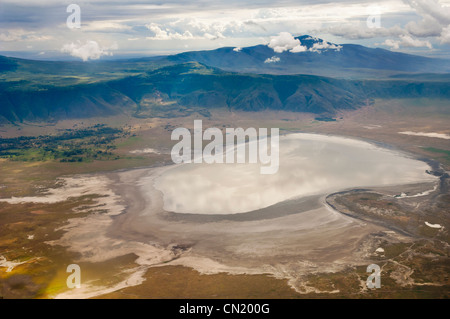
column 374, row 19
column 214, row 152
column 374, row 280
column 73, row 20
column 74, row 279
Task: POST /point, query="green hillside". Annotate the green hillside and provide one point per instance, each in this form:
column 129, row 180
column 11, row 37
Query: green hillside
column 35, row 90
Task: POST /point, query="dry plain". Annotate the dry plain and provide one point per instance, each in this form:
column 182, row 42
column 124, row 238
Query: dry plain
column 414, row 261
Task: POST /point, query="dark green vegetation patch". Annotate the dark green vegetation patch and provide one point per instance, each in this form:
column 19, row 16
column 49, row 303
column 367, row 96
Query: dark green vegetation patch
column 81, row 145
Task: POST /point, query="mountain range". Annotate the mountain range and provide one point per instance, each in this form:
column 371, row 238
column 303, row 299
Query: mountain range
column 322, row 78
column 319, row 58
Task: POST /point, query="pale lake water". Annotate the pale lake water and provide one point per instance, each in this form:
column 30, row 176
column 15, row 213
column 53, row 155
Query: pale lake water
column 310, row 164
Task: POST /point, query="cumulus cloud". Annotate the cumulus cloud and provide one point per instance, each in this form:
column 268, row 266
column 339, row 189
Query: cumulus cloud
column 427, row 27
column 432, row 9
column 90, row 50
column 298, row 48
column 407, row 41
column 435, row 23
column 324, row 45
column 392, row 44
column 273, row 59
column 237, row 25
column 445, row 36
column 434, row 18
column 284, row 41
column 187, row 29
column 160, row 34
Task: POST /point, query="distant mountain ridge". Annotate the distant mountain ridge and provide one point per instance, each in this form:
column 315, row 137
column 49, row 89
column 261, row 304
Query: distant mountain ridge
column 351, row 60
column 180, row 89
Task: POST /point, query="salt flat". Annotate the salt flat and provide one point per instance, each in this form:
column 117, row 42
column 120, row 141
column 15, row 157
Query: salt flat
column 230, row 218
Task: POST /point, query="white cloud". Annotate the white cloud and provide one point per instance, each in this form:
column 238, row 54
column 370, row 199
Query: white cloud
column 435, row 22
column 161, row 34
column 445, row 36
column 408, row 42
column 273, row 59
column 324, row 45
column 298, row 48
column 202, row 27
column 192, row 30
column 392, row 44
column 284, row 41
column 432, row 9
column 91, row 50
column 427, row 27
column 237, row 49
column 206, row 24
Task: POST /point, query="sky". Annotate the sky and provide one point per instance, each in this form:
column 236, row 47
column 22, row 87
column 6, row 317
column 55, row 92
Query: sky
column 108, row 29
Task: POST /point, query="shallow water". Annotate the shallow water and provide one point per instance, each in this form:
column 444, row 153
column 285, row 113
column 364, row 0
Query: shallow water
column 310, row 164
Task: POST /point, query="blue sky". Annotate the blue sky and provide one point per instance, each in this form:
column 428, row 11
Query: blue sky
column 113, row 29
